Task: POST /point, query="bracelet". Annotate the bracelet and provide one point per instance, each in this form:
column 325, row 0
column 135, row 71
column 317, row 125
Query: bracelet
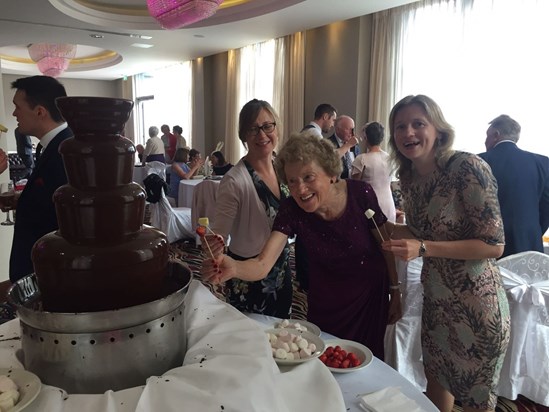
column 395, row 287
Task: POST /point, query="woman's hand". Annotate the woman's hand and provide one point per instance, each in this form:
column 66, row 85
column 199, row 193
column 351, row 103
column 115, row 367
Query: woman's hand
column 395, row 307
column 219, row 270
column 404, row 249
column 213, row 245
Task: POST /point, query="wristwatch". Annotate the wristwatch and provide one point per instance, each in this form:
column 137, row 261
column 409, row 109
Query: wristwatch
column 422, row 248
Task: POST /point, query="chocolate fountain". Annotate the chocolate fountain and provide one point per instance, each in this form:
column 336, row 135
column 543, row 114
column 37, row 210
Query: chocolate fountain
column 104, row 309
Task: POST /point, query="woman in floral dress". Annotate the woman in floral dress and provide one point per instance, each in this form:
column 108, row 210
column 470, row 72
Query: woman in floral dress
column 454, row 223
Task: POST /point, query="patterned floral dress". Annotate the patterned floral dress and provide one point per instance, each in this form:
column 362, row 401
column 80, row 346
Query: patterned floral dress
column 465, row 322
column 272, row 295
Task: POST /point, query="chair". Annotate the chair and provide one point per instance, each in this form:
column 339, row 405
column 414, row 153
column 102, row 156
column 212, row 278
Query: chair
column 403, row 339
column 525, row 369
column 174, row 222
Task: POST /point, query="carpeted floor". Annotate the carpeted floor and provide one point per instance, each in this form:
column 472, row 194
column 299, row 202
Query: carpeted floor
column 187, row 252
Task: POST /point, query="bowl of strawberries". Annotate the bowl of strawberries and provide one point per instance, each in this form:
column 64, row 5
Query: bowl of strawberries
column 344, row 356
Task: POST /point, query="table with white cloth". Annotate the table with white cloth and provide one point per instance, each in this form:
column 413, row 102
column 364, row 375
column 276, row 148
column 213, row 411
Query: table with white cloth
column 228, row 367
column 186, row 191
column 139, row 174
column 374, row 377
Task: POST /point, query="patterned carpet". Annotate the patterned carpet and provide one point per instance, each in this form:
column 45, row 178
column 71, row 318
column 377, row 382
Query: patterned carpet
column 187, row 252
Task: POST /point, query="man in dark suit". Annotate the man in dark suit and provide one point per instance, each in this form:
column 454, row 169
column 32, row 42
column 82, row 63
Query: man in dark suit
column 523, row 186
column 346, row 143
column 37, row 115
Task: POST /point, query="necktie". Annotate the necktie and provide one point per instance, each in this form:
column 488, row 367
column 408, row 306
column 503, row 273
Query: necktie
column 348, row 162
column 38, row 150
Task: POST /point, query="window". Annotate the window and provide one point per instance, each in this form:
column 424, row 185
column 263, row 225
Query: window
column 479, row 60
column 165, row 97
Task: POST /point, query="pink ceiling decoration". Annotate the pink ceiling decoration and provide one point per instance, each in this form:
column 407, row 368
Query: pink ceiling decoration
column 174, row 14
column 52, row 59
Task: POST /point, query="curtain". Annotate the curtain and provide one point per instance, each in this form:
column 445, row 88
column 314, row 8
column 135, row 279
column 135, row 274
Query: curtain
column 477, row 60
column 291, row 84
column 232, row 142
column 387, row 38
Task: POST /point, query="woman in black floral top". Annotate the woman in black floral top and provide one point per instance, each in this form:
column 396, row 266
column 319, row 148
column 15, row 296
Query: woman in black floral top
column 247, row 202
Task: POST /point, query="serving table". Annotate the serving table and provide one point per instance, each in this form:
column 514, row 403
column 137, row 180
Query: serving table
column 228, row 367
column 372, row 378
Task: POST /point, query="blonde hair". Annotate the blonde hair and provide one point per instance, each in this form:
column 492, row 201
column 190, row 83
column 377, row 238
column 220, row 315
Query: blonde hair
column 445, row 134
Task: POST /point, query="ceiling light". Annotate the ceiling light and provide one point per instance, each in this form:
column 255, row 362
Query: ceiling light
column 142, row 45
column 52, row 59
column 97, row 36
column 174, row 14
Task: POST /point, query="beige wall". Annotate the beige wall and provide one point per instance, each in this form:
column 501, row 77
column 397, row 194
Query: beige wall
column 74, row 87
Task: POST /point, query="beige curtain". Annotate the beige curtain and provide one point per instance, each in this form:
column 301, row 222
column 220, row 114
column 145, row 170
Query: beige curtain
column 290, row 82
column 232, row 142
column 387, row 35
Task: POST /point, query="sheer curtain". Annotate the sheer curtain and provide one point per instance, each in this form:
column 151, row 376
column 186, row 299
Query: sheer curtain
column 232, row 145
column 479, row 59
column 291, row 83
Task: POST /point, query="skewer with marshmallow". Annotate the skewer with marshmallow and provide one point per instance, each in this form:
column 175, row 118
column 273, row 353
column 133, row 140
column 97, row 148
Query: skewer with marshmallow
column 370, row 214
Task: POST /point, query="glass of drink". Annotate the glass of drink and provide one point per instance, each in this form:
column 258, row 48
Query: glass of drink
column 7, row 195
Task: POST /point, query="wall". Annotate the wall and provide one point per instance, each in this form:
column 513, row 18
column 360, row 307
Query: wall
column 74, row 87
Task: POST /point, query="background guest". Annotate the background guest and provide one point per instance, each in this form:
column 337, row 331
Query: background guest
column 454, row 223
column 170, row 142
column 345, row 142
column 374, row 167
column 325, row 115
column 37, row 115
column 140, row 149
column 24, row 150
column 154, row 148
column 349, row 273
column 178, row 133
column 182, row 170
column 247, row 202
column 523, row 186
column 219, row 164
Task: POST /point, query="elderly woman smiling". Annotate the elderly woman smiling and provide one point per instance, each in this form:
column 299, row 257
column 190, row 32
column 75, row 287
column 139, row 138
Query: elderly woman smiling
column 350, row 274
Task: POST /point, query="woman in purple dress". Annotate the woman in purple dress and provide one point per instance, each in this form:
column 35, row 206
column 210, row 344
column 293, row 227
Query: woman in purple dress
column 351, row 276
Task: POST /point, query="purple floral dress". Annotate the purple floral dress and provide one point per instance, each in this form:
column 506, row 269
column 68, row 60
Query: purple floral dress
column 465, row 322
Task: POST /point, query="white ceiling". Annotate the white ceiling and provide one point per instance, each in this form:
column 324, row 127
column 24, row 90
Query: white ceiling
column 36, row 21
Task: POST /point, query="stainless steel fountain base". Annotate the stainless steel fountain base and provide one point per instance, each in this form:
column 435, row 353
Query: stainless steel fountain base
column 93, row 352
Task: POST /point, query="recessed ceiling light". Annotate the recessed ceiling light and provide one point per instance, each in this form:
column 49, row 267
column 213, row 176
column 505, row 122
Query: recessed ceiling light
column 199, row 36
column 97, row 36
column 142, row 45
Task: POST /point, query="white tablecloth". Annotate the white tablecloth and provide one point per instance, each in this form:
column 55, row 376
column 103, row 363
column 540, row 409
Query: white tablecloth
column 186, row 190
column 139, row 173
column 228, row 367
column 376, row 376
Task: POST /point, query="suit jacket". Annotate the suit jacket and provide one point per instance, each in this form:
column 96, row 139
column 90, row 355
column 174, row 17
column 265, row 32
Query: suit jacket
column 346, row 172
column 523, row 192
column 35, row 213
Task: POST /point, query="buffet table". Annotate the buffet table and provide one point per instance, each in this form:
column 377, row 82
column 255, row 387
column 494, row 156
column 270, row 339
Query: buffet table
column 228, row 367
column 372, row 378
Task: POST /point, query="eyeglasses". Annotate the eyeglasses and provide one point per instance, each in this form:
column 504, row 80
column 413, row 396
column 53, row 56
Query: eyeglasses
column 267, row 128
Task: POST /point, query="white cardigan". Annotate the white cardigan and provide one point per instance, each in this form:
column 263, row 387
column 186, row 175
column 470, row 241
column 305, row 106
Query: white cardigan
column 240, row 213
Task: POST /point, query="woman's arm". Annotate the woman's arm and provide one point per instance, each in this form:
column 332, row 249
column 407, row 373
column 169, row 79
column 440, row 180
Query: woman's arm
column 224, row 268
column 470, row 249
column 181, row 173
